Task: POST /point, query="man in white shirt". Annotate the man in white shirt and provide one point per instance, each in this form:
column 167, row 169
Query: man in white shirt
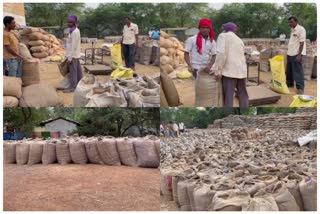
column 129, row 42
column 73, row 53
column 181, row 127
column 201, row 47
column 175, row 129
column 231, row 66
column 296, row 48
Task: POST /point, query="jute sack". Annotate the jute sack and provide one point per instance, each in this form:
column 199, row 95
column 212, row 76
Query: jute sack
column 38, row 49
column 22, row 153
column 203, row 196
column 165, row 43
column 308, row 190
column 183, row 196
column 63, row 152
column 292, row 182
column 36, row 43
column 49, row 153
column 12, row 86
column 190, row 189
column 35, row 153
column 29, row 30
column 230, row 200
column 126, row 151
column 208, row 90
column 163, row 99
column 78, row 152
column 24, row 52
column 263, row 203
column 9, row 153
column 163, row 52
column 85, row 85
column 146, row 153
column 40, row 55
column 46, row 96
column 108, row 152
column 92, row 152
column 164, row 34
column 281, row 194
column 169, row 90
column 165, row 186
column 167, row 68
column 30, row 72
column 35, row 36
column 10, row 101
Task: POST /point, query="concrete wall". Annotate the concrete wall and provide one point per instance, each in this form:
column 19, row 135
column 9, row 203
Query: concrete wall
column 62, row 126
column 15, row 10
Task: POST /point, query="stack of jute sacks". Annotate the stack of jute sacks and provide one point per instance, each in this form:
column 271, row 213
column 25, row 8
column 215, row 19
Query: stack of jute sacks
column 41, row 43
column 171, row 52
column 135, row 152
column 168, row 92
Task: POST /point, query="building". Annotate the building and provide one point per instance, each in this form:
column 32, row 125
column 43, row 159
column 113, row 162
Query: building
column 15, row 10
column 57, row 127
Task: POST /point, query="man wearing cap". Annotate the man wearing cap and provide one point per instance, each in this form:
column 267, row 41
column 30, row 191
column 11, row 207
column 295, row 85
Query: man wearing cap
column 230, row 66
column 201, row 48
column 73, row 53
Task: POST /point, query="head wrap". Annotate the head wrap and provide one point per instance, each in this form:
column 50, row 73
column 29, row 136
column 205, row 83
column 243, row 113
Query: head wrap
column 230, row 26
column 73, row 19
column 204, row 23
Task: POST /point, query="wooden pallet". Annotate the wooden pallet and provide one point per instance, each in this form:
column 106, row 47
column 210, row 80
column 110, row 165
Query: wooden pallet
column 260, row 95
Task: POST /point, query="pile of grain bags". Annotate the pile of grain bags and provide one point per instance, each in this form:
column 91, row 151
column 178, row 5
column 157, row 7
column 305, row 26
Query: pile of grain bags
column 171, row 52
column 12, row 91
column 41, row 43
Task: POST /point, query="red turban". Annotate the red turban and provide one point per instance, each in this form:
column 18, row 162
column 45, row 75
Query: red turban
column 204, row 23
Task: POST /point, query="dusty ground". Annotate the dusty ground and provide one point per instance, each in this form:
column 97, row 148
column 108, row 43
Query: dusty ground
column 186, row 89
column 49, row 73
column 167, row 205
column 80, row 188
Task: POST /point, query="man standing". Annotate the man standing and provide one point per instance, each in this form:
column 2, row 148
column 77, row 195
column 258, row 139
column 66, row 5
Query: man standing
column 73, row 53
column 170, row 129
column 175, row 129
column 296, row 48
column 129, row 42
column 11, row 58
column 202, row 48
column 231, row 66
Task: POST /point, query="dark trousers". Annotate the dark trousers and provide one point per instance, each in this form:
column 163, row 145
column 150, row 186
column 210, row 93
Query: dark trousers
column 75, row 73
column 229, row 85
column 294, row 73
column 128, row 53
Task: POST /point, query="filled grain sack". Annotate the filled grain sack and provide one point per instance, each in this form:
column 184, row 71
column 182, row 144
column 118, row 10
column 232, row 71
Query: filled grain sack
column 263, row 203
column 146, row 153
column 163, row 52
column 292, row 182
column 166, row 184
column 164, row 34
column 45, row 38
column 281, row 194
column 12, row 86
column 108, row 151
column 78, row 152
column 183, row 197
column 157, row 145
column 9, row 152
column 35, row 153
column 190, row 189
column 163, row 99
column 92, row 152
column 106, row 99
column 126, row 151
column 164, row 60
column 30, row 72
column 35, row 36
column 36, row 43
column 165, row 43
column 40, row 55
column 308, row 190
column 202, row 196
column 38, row 49
column 208, row 90
column 85, row 85
column 63, row 152
column 145, row 53
column 22, row 153
column 155, row 58
column 29, row 30
column 24, row 52
column 10, row 101
column 49, row 153
column 307, row 64
column 169, row 90
column 40, row 95
column 230, row 200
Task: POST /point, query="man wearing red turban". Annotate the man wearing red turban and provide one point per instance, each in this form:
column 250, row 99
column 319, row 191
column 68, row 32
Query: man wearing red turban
column 201, row 48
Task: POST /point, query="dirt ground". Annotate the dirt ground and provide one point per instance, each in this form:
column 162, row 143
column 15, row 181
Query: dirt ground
column 80, row 188
column 186, row 89
column 49, row 73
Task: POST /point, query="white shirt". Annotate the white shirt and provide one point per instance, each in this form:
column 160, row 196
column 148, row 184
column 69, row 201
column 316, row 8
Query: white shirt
column 175, row 127
column 208, row 50
column 181, row 125
column 298, row 34
column 129, row 34
column 73, row 45
column 230, row 59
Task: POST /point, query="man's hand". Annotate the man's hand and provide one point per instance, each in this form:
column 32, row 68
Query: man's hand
column 299, row 58
column 207, row 69
column 218, row 76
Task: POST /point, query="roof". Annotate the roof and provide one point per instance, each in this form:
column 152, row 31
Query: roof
column 58, row 118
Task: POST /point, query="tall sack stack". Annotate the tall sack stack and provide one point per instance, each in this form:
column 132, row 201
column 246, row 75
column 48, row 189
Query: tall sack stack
column 171, row 52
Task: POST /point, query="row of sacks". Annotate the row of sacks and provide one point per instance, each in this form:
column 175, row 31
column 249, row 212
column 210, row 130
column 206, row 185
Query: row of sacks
column 40, row 43
column 148, row 53
column 137, row 152
column 295, row 193
column 143, row 91
column 171, row 52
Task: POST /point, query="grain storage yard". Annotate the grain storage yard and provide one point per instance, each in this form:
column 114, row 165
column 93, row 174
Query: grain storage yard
column 243, row 163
